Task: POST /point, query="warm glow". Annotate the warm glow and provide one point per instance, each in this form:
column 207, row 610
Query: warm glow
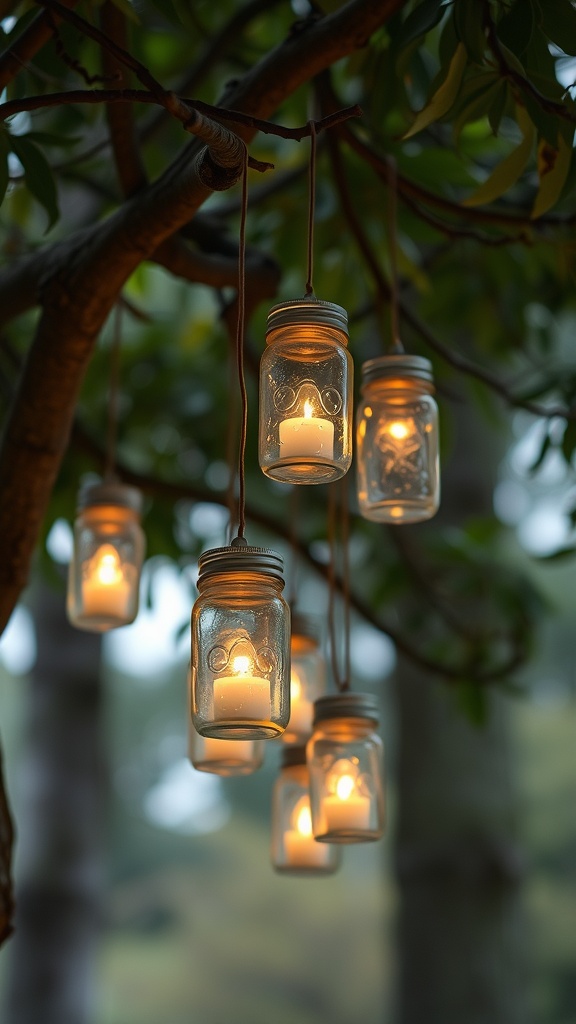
column 107, row 566
column 241, row 665
column 345, row 787
column 308, row 410
column 295, row 686
column 398, row 430
column 304, row 822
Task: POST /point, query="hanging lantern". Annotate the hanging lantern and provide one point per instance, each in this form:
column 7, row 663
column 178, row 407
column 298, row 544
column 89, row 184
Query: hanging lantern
column 104, row 577
column 397, row 441
column 345, row 762
column 240, row 645
column 294, row 849
column 306, row 393
column 307, row 677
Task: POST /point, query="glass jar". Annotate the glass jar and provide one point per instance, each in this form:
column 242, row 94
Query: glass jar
column 397, row 441
column 109, row 545
column 346, row 769
column 307, row 677
column 240, row 645
column 306, row 393
column 294, row 850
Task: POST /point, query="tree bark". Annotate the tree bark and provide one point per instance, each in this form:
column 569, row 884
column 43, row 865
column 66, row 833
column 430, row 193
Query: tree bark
column 59, row 874
column 459, row 869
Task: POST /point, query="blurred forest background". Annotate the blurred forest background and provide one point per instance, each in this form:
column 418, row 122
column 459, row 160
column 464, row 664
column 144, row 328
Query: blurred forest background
column 144, row 890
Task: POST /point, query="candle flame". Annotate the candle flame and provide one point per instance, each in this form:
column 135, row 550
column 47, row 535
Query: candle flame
column 304, row 822
column 308, row 410
column 345, row 787
column 398, row 430
column 107, row 568
column 241, row 665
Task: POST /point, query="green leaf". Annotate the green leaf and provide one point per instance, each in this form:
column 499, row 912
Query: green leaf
column 498, row 106
column 38, row 175
column 444, row 97
column 476, row 108
column 423, row 18
column 515, row 28
column 506, row 173
column 468, row 21
column 553, row 167
column 544, row 448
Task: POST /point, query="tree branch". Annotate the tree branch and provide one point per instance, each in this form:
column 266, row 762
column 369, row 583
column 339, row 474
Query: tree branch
column 79, row 295
column 32, row 39
column 120, row 117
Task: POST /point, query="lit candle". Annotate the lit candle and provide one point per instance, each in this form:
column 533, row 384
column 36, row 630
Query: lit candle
column 301, row 711
column 347, row 810
column 302, row 850
column 105, row 589
column 241, row 696
column 306, row 435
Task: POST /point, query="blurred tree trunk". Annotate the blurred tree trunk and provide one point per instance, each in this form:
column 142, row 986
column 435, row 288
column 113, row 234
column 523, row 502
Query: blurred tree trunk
column 461, row 942
column 59, row 864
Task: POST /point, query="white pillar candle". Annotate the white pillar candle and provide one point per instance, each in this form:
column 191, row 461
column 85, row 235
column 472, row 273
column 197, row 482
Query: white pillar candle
column 301, row 848
column 241, row 697
column 307, row 435
column 346, row 809
column 105, row 590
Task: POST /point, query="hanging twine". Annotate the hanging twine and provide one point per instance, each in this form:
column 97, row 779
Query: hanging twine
column 240, row 351
column 337, row 503
column 311, row 207
column 294, row 514
column 396, row 345
column 113, row 395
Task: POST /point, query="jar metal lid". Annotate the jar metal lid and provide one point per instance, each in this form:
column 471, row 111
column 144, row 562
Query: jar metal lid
column 110, row 493
column 308, row 310
column 398, row 365
column 292, row 756
column 240, row 557
column 346, row 705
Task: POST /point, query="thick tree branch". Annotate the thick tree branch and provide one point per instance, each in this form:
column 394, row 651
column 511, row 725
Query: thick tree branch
column 120, row 117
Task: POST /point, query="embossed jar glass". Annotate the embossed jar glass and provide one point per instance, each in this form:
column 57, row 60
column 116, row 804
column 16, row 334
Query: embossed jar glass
column 346, row 770
column 307, row 677
column 397, row 441
column 240, row 662
column 306, row 393
column 109, row 545
column 293, row 849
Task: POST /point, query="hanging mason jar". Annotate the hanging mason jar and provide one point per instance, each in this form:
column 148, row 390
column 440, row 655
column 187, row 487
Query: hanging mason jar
column 306, row 393
column 346, row 768
column 294, row 849
column 104, row 576
column 240, row 645
column 307, row 677
column 397, row 441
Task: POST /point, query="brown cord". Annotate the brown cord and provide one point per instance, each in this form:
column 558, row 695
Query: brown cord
column 337, row 502
column 396, row 344
column 113, row 395
column 240, row 350
column 311, row 207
